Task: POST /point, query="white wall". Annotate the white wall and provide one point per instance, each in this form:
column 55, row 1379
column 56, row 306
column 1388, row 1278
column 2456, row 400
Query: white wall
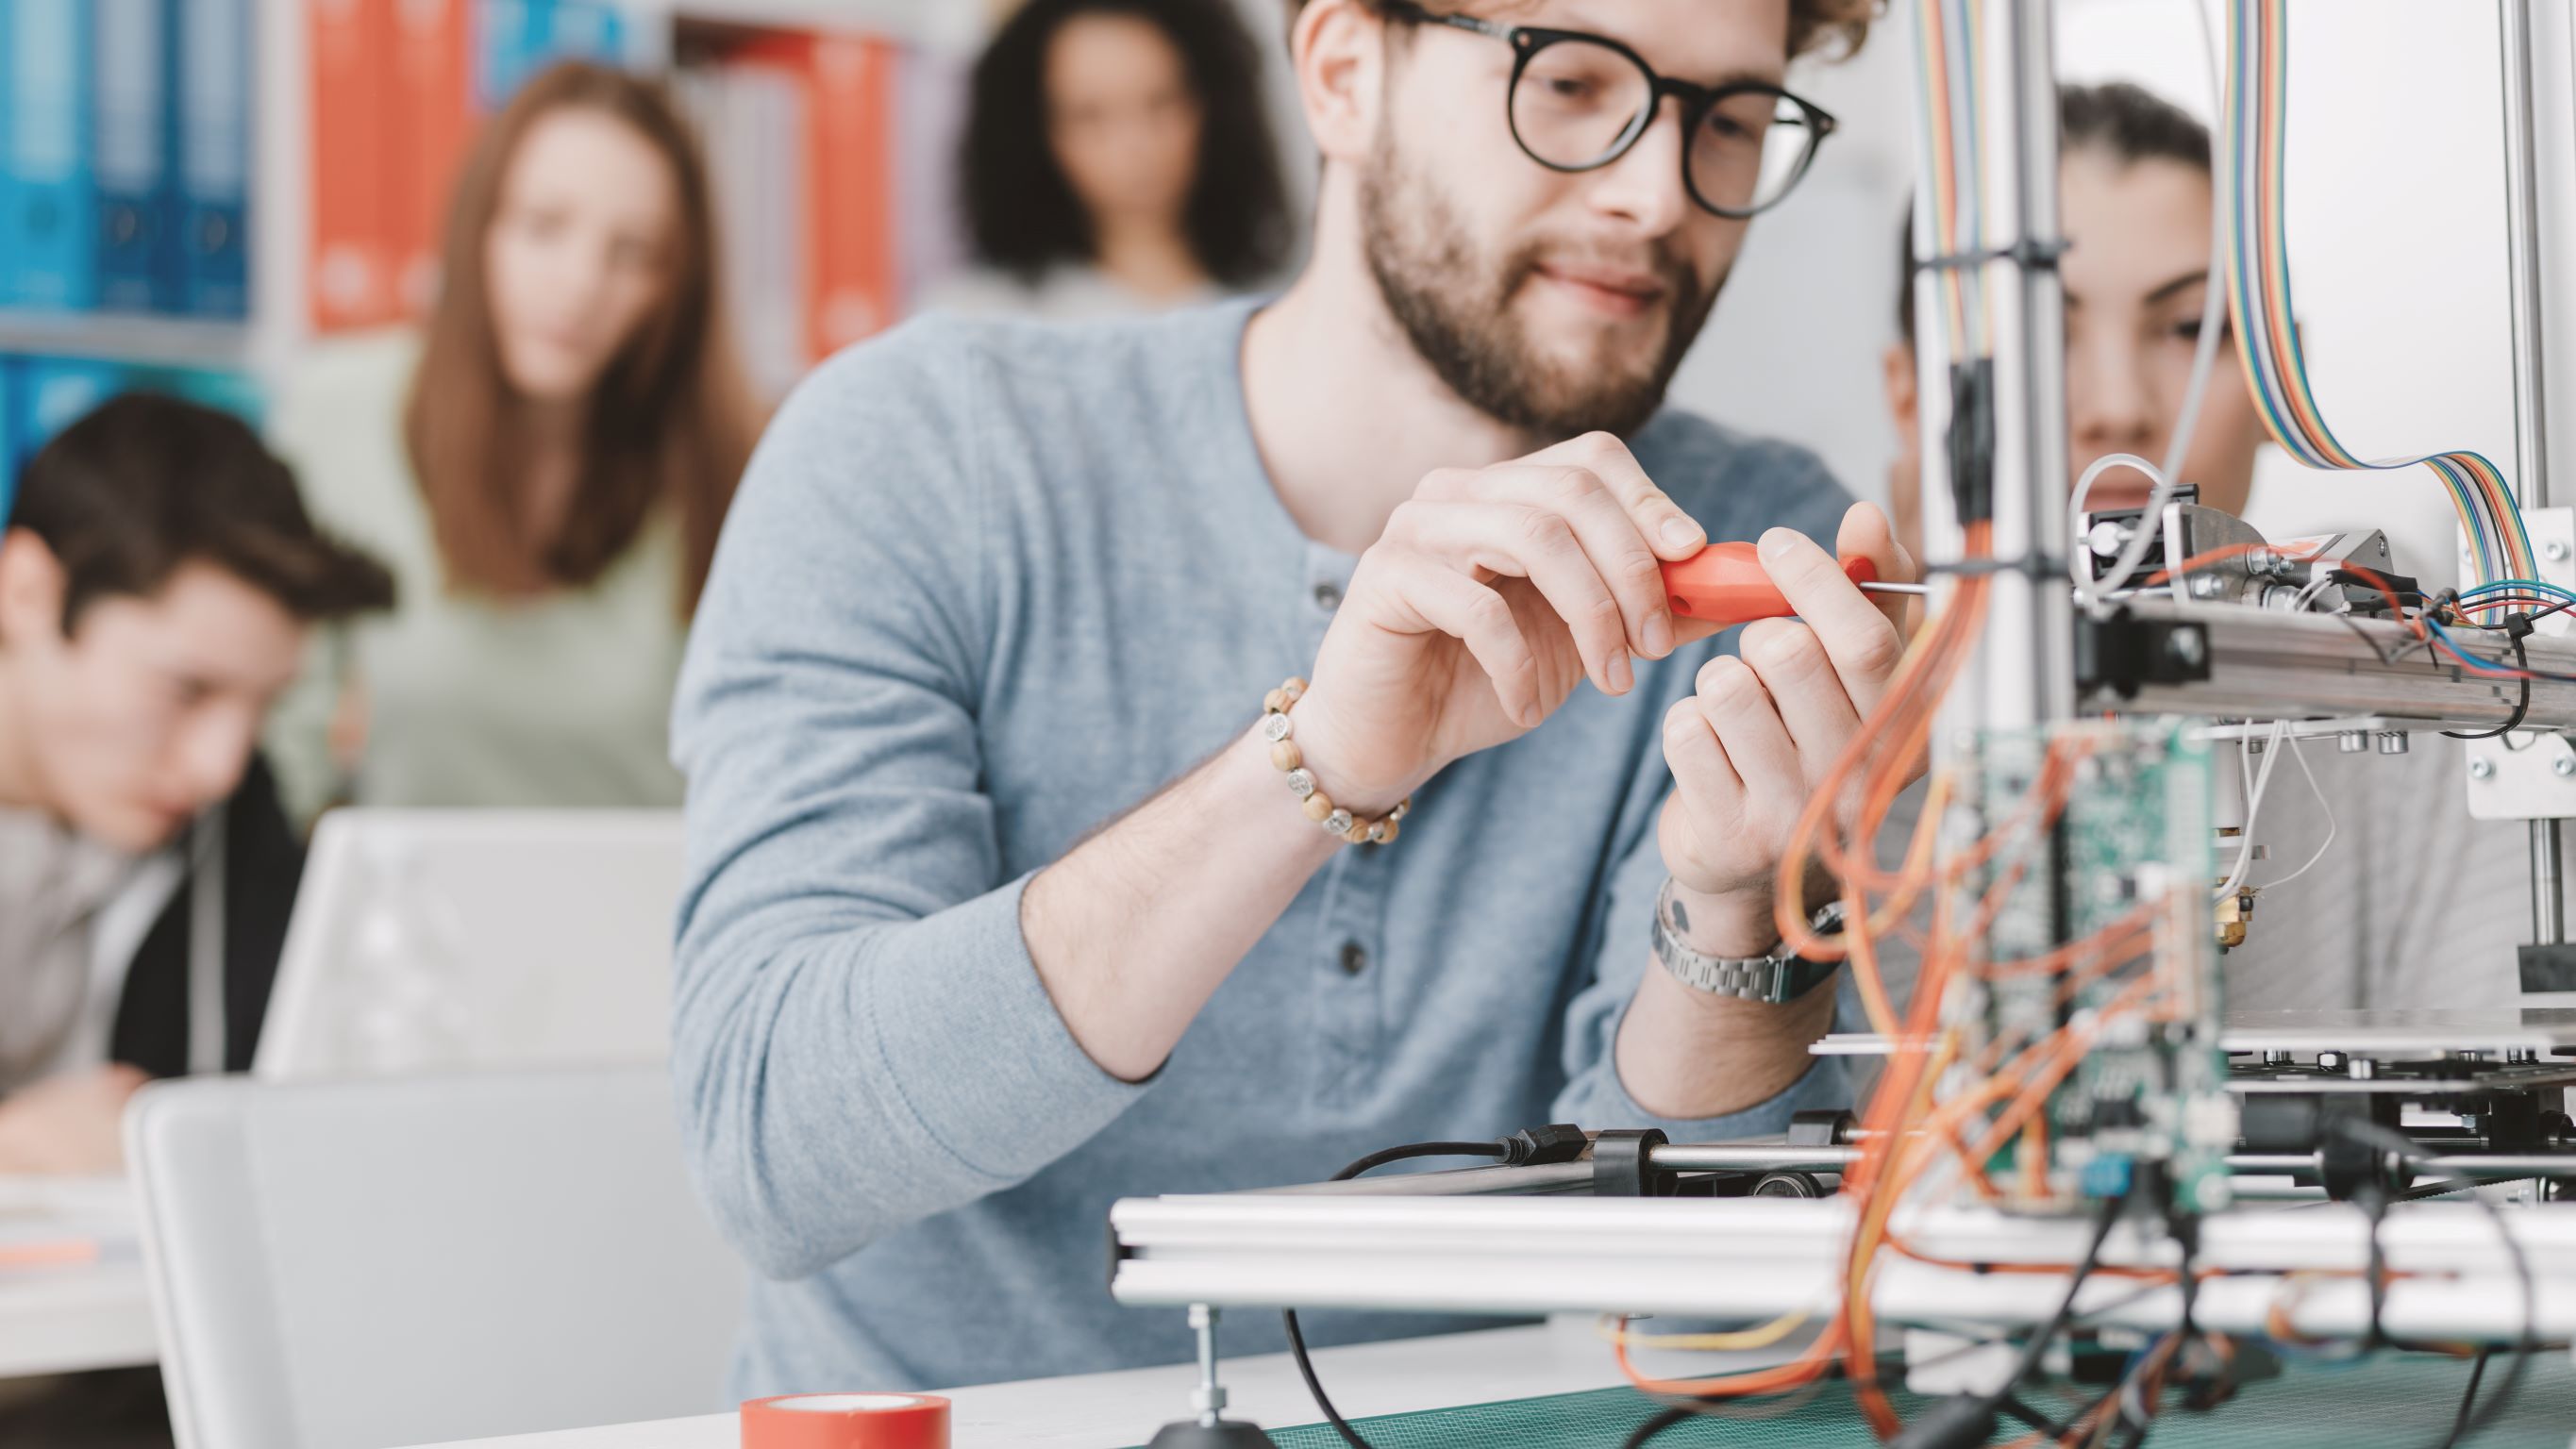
column 2396, row 217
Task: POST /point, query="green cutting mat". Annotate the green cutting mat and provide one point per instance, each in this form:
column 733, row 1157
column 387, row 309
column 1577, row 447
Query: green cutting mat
column 2399, row 1401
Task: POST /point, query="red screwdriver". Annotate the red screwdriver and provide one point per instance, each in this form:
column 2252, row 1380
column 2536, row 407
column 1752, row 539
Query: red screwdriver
column 1725, row 584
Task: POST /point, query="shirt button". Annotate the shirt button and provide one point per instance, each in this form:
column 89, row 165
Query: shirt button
column 1354, row 958
column 1328, row 597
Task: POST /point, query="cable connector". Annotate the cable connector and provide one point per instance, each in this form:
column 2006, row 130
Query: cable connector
column 1538, row 1146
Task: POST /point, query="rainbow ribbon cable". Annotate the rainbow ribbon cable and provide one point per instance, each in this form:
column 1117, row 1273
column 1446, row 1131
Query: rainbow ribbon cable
column 2258, row 286
column 1946, row 40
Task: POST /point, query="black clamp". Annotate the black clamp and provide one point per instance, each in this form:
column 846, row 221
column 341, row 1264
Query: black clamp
column 1820, row 1127
column 1622, row 1165
column 2035, row 256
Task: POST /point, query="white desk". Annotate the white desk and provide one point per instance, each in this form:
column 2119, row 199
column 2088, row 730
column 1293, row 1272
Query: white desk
column 1106, row 1411
column 62, row 1320
column 69, row 1319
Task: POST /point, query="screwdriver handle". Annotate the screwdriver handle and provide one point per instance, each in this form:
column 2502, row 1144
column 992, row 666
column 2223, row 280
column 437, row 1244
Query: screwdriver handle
column 1725, row 584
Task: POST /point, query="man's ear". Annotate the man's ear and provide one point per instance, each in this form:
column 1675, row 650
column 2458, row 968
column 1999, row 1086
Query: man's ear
column 33, row 587
column 1338, row 48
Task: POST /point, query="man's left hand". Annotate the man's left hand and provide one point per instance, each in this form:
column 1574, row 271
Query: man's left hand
column 1751, row 747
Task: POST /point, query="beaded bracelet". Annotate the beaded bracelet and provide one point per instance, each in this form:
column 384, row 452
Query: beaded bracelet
column 1320, row 808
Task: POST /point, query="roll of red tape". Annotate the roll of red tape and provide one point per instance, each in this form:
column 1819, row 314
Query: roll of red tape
column 846, row 1421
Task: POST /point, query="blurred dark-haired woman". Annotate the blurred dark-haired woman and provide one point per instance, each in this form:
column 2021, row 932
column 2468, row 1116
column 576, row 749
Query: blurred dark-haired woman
column 1118, row 158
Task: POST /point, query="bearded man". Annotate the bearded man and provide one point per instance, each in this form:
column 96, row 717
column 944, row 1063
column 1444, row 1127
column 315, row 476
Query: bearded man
column 1023, row 879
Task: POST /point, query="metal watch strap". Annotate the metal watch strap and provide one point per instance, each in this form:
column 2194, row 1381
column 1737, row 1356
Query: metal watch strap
column 1777, row 978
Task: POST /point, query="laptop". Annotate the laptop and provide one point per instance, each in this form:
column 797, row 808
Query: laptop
column 445, row 940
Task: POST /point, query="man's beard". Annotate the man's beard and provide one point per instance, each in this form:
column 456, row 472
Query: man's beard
column 1455, row 307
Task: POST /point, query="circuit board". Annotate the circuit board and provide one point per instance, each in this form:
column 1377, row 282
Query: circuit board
column 2096, row 893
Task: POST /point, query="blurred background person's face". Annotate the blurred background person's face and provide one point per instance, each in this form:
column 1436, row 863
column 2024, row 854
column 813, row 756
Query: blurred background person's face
column 1556, row 301
column 579, row 251
column 2136, row 277
column 1122, row 119
column 146, row 715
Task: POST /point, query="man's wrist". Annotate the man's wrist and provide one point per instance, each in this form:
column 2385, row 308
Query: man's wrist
column 1735, row 924
column 1324, row 756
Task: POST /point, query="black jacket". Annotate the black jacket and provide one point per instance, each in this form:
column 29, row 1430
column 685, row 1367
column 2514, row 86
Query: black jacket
column 262, row 861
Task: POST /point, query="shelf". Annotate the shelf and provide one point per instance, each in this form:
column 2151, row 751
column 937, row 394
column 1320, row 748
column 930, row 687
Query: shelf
column 948, row 27
column 131, row 338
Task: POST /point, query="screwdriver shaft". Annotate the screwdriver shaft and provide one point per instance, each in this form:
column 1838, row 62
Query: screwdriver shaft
column 1876, row 587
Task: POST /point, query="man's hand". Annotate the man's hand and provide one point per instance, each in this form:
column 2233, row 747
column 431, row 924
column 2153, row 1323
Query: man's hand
column 1748, row 751
column 1491, row 595
column 68, row 1124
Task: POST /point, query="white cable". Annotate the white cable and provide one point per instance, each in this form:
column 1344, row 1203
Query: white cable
column 2213, row 304
column 2254, row 789
column 2299, row 757
column 2087, row 592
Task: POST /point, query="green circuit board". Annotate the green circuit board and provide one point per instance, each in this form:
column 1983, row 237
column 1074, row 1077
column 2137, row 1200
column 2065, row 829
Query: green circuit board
column 2125, row 860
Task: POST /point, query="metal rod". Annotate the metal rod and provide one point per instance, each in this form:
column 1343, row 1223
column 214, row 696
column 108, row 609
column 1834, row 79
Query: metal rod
column 2530, row 395
column 2522, row 256
column 2548, row 885
column 1735, row 1157
column 2021, row 672
column 1877, row 586
column 1210, row 1398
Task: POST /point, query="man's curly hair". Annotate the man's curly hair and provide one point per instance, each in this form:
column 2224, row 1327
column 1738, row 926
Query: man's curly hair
column 1813, row 24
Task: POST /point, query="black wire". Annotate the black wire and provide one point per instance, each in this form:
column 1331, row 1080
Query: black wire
column 2399, row 1146
column 2012, row 1405
column 1297, row 1337
column 2037, row 1349
column 2468, row 1398
column 1646, row 1431
column 2516, row 626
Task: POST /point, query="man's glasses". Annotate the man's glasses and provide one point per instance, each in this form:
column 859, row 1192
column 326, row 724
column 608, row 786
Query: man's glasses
column 1578, row 102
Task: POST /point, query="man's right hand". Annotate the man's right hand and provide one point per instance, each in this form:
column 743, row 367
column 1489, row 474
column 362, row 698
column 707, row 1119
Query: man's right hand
column 1490, row 596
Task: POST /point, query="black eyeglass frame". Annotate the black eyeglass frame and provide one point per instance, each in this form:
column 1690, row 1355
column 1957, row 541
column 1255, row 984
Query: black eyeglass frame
column 1697, row 100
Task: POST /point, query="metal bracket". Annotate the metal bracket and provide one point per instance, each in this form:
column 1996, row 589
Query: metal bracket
column 2529, row 775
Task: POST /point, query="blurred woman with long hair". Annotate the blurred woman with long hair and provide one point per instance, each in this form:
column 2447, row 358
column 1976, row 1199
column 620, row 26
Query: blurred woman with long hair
column 545, row 464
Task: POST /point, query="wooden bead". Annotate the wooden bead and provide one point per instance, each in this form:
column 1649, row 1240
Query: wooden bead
column 1274, row 702
column 1318, row 806
column 1285, row 755
column 1387, row 837
column 1295, row 689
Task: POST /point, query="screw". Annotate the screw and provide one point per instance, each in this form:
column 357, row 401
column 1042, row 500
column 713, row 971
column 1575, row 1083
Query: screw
column 2481, row 769
column 2555, row 550
column 2392, row 742
column 2186, row 647
column 2352, row 742
column 2206, row 586
column 2563, row 766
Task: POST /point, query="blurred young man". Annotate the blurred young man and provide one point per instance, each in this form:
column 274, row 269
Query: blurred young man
column 2414, row 903
column 1001, row 908
column 157, row 576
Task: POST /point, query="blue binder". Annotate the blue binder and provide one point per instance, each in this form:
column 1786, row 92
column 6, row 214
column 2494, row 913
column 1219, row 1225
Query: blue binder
column 522, row 37
column 48, row 195
column 45, row 395
column 137, row 185
column 214, row 147
column 10, row 456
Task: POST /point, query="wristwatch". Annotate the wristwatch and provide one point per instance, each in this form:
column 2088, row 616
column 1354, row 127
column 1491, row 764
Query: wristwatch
column 1777, row 978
